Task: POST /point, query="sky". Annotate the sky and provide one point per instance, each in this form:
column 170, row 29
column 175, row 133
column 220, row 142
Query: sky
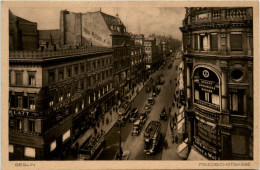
column 149, row 20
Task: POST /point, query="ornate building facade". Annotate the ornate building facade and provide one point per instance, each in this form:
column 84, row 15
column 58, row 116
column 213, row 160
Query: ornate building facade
column 218, row 76
column 51, row 96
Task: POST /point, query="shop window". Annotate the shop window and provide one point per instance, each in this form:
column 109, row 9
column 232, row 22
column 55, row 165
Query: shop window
column 76, row 69
column 19, row 124
column 29, row 152
column 61, row 95
column 203, row 42
column 238, row 144
column 66, row 135
column 11, row 148
column 236, row 101
column 214, row 42
column 251, row 147
column 32, row 101
column 82, row 67
column 236, row 41
column 51, row 99
column 31, row 78
column 61, row 74
column 68, row 91
column 31, row 125
column 51, row 76
column 53, row 146
column 19, row 78
column 69, row 71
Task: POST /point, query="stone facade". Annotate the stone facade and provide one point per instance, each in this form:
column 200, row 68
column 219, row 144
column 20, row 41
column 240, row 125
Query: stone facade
column 218, row 57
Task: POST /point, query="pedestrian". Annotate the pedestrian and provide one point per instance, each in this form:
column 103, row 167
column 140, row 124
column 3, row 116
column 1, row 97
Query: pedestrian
column 176, row 139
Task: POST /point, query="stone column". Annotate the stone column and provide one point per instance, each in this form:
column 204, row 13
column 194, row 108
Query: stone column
column 188, row 82
column 199, row 42
column 224, row 96
column 208, row 42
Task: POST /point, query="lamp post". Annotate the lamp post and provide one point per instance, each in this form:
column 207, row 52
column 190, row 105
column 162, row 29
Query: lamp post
column 120, row 152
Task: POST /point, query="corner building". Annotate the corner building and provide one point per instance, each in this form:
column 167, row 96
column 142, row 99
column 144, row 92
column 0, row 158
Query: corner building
column 218, row 75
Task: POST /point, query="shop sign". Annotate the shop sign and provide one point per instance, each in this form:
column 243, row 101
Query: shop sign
column 66, row 104
column 205, row 148
column 22, row 113
column 207, row 86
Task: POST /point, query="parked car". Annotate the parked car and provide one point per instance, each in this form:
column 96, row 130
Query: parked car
column 134, row 114
column 154, row 94
column 143, row 117
column 151, row 101
column 136, row 127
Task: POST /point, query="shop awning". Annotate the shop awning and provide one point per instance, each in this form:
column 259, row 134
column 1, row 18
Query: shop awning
column 183, row 149
column 195, row 155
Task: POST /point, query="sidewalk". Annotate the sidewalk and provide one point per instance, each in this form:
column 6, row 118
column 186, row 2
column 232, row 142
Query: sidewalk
column 170, row 153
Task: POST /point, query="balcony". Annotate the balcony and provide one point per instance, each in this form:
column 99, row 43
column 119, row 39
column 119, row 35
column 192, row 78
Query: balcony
column 45, row 55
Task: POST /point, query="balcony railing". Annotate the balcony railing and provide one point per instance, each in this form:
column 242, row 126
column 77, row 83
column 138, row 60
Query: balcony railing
column 58, row 53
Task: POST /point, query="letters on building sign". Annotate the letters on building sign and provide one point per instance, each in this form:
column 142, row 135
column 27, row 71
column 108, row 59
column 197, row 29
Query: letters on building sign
column 66, row 104
column 22, row 113
column 207, row 86
column 206, row 149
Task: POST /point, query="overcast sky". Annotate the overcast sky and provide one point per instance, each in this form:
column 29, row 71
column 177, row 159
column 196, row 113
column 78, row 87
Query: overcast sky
column 157, row 20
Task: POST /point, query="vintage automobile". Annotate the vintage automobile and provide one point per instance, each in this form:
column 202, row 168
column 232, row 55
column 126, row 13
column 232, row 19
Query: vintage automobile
column 134, row 114
column 136, row 127
column 143, row 117
column 147, row 108
column 163, row 115
column 150, row 101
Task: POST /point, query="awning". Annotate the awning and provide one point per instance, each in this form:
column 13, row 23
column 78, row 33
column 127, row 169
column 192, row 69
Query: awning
column 195, row 155
column 183, row 149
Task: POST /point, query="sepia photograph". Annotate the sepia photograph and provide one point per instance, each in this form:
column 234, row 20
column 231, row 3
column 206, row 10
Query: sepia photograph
column 93, row 85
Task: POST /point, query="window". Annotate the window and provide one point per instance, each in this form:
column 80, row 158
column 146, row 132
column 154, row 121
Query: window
column 19, row 124
column 53, row 146
column 214, row 41
column 61, row 95
column 236, row 101
column 31, row 125
column 29, row 152
column 61, row 74
column 103, row 62
column 76, row 69
column 51, row 76
column 203, row 42
column 94, row 65
column 89, row 66
column 32, row 101
column 31, row 78
column 236, row 41
column 98, row 64
column 82, row 67
column 82, row 86
column 89, row 82
column 103, row 75
column 19, row 100
column 237, row 74
column 66, row 136
column 68, row 91
column 19, row 78
column 51, row 99
column 69, row 71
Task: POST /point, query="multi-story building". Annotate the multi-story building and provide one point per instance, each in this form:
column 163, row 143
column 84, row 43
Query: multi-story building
column 218, row 75
column 100, row 29
column 51, row 97
column 23, row 34
column 137, row 62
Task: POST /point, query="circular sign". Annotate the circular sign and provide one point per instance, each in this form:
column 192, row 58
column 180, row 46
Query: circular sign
column 205, row 73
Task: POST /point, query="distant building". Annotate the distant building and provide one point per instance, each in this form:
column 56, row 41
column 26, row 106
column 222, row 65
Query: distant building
column 100, row 29
column 218, row 76
column 23, row 34
column 49, row 38
column 54, row 96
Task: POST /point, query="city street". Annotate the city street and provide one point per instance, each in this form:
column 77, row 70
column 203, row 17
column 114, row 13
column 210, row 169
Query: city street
column 135, row 144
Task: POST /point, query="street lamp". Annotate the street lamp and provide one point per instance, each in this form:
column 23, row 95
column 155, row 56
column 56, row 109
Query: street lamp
column 120, row 152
